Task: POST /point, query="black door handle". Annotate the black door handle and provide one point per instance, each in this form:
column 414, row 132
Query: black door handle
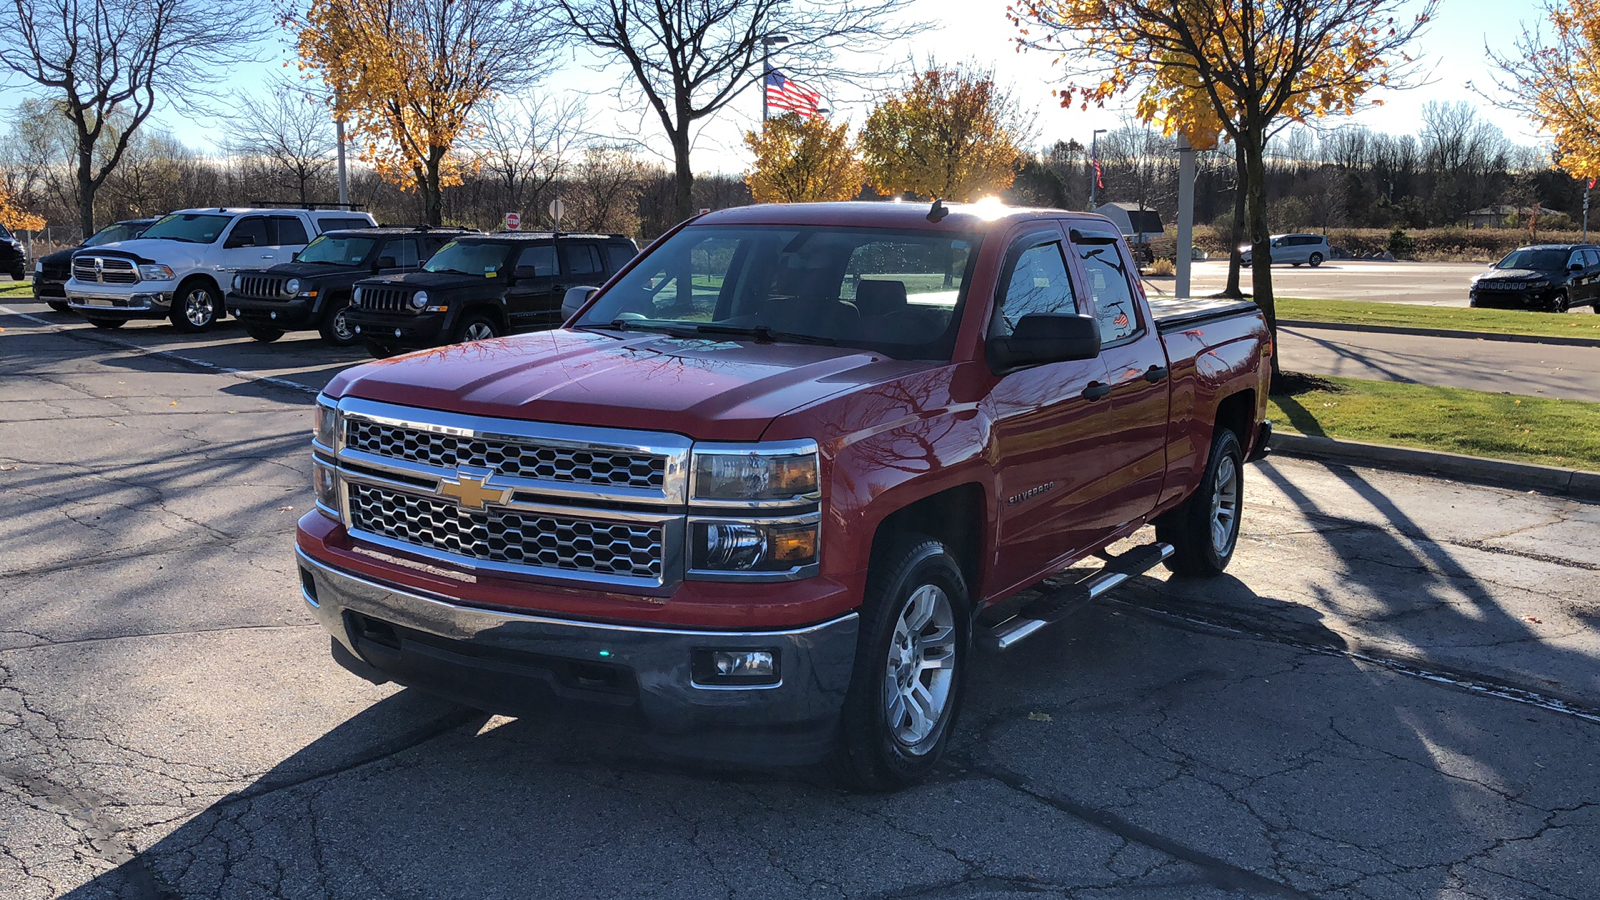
column 1155, row 374
column 1096, row 390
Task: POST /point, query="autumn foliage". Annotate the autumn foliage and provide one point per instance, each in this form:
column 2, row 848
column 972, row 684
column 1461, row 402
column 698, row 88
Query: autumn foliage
column 952, row 134
column 16, row 218
column 1556, row 83
column 406, row 75
column 801, row 160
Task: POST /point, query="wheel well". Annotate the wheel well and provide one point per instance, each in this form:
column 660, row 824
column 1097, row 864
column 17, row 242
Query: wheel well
column 954, row 517
column 1234, row 413
column 488, row 309
column 221, row 306
column 204, row 278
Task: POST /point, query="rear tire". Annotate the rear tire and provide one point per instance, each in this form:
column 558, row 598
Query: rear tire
column 910, row 667
column 19, row 274
column 59, row 305
column 1204, row 529
column 379, row 351
column 336, row 329
column 103, row 322
column 266, row 334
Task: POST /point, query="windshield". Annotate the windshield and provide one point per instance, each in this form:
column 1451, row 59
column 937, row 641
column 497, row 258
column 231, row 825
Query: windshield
column 113, row 233
column 1542, row 260
column 469, row 259
column 191, row 228
column 896, row 292
column 337, row 251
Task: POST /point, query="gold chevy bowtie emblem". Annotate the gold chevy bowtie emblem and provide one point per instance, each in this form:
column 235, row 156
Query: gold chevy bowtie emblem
column 469, row 491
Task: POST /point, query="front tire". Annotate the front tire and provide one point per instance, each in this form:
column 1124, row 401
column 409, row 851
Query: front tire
column 910, row 668
column 266, row 334
column 1316, row 260
column 477, row 328
column 336, row 329
column 196, row 308
column 1204, row 529
column 59, row 305
column 1559, row 303
column 103, row 322
column 380, row 351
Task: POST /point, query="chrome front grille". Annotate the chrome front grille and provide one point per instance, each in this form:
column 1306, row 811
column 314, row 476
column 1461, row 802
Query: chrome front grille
column 384, row 299
column 104, row 270
column 559, row 542
column 264, row 286
column 508, row 456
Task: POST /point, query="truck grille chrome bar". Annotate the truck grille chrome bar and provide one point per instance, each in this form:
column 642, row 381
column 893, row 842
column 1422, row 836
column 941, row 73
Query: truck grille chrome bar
column 104, row 270
column 508, row 456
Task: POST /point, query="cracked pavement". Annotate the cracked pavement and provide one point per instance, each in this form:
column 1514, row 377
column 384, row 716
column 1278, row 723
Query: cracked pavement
column 1392, row 694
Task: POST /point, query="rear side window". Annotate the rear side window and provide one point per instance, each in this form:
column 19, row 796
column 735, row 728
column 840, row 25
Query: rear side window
column 1038, row 285
column 1107, row 274
column 404, row 252
column 582, row 259
column 334, row 223
column 541, row 258
column 1591, row 258
column 288, row 231
column 620, row 255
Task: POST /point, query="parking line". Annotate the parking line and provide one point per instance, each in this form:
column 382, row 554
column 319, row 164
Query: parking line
column 241, row 374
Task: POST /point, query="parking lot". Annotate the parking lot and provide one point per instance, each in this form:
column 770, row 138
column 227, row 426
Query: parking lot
column 1427, row 283
column 1394, row 693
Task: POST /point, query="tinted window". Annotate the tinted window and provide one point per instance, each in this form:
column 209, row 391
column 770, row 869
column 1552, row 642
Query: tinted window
column 337, row 250
column 1038, row 284
column 540, row 258
column 252, row 227
column 1591, row 258
column 620, row 254
column 469, row 259
column 404, row 252
column 336, row 223
column 1107, row 274
column 582, row 259
column 290, row 232
column 113, row 233
column 1543, row 260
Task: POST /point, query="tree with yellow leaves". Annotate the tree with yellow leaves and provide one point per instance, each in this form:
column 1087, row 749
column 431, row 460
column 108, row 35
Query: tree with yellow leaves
column 1244, row 68
column 802, row 160
column 952, row 135
column 406, row 75
column 1557, row 83
column 15, row 217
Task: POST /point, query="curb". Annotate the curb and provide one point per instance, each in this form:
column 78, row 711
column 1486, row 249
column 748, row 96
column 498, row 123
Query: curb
column 1444, row 333
column 1495, row 472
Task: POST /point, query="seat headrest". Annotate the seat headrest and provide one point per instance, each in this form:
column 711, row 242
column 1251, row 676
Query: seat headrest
column 880, row 298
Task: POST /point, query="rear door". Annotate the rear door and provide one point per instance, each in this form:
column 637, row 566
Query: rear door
column 532, row 300
column 1135, row 450
column 1050, row 421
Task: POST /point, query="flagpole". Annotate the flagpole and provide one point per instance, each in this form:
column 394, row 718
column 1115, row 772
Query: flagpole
column 766, row 67
column 1587, row 186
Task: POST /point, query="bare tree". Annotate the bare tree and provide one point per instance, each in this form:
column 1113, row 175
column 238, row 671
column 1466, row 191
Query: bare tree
column 290, row 133
column 100, row 58
column 603, row 191
column 524, row 146
column 691, row 58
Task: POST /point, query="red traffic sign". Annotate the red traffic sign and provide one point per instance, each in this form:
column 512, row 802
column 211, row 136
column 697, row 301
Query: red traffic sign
column 513, row 221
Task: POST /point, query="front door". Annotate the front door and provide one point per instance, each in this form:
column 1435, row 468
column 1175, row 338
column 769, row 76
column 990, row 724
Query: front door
column 1049, row 424
column 248, row 245
column 531, row 300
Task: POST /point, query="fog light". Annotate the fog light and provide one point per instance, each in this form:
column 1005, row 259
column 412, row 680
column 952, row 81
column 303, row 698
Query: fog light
column 735, row 667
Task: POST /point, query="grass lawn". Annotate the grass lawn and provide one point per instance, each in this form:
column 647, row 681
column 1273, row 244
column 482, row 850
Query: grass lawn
column 15, row 289
column 1551, row 432
column 1580, row 323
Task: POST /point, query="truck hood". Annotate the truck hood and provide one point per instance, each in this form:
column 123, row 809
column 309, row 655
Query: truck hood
column 177, row 254
column 705, row 389
column 431, row 280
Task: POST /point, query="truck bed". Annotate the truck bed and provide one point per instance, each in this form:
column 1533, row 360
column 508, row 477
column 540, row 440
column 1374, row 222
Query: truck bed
column 1173, row 313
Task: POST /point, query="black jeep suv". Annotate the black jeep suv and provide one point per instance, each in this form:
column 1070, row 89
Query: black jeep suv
column 51, row 271
column 483, row 285
column 13, row 256
column 313, row 290
column 1552, row 277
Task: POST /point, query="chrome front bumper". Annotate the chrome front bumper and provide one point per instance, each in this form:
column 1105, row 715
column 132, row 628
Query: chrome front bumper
column 155, row 304
column 633, row 676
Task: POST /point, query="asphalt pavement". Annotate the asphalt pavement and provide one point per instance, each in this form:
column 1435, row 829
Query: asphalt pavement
column 1393, row 693
column 1426, row 283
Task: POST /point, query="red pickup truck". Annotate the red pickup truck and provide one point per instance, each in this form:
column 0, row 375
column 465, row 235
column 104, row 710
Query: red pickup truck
column 771, row 486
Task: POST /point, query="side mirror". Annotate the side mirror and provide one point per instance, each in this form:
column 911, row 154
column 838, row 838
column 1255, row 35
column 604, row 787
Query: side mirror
column 387, row 262
column 574, row 300
column 1045, row 338
column 1575, row 267
column 243, row 240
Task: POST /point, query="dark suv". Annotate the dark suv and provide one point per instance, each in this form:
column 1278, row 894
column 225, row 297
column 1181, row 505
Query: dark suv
column 481, row 286
column 13, row 257
column 313, row 289
column 1552, row 277
column 51, row 271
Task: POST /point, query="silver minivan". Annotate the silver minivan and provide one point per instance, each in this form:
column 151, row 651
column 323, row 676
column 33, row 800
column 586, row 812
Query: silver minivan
column 1295, row 249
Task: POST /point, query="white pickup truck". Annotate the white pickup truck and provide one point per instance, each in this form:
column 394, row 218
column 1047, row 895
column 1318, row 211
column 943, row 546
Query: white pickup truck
column 177, row 269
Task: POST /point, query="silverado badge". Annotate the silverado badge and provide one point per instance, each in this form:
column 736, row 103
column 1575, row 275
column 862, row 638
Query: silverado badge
column 468, row 489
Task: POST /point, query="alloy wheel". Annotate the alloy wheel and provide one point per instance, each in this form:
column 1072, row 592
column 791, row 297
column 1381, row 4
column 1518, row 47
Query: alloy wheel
column 1224, row 506
column 920, row 670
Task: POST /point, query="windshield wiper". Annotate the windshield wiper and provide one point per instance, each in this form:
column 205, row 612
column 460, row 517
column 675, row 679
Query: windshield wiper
column 644, row 325
column 765, row 334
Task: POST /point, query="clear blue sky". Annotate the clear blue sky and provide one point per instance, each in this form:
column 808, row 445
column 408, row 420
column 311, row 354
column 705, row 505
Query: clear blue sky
column 1450, row 55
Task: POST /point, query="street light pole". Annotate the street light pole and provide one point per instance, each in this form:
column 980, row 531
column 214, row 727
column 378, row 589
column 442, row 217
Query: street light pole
column 344, row 183
column 767, row 43
column 1094, row 164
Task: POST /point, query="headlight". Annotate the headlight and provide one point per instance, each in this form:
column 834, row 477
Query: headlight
column 293, row 286
column 38, row 266
column 1536, row 285
column 355, row 296
column 753, row 547
column 237, row 281
column 419, row 299
column 325, row 424
column 325, row 484
column 155, row 272
column 776, row 474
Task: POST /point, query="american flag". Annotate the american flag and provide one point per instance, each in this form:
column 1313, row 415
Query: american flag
column 1098, row 181
column 787, row 95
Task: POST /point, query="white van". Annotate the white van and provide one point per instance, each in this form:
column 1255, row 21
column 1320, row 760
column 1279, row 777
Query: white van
column 1295, row 249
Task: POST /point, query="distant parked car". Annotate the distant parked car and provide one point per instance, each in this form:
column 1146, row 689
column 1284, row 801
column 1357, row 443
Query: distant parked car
column 51, row 271
column 13, row 256
column 1295, row 249
column 1553, row 277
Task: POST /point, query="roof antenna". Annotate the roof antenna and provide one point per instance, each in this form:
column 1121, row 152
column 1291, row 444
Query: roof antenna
column 937, row 212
